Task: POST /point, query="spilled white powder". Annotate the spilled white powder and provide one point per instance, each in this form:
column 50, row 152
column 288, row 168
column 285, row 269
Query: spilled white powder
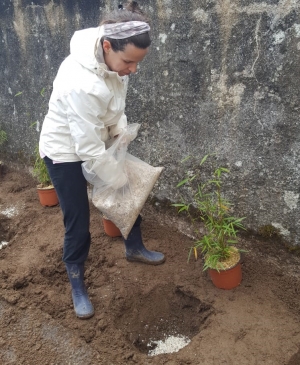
column 3, row 244
column 169, row 345
column 10, row 211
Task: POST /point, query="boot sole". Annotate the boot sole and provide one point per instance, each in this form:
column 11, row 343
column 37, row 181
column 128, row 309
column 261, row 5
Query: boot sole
column 87, row 316
column 144, row 261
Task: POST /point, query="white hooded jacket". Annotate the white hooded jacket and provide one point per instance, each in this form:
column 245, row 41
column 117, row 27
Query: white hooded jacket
column 86, row 108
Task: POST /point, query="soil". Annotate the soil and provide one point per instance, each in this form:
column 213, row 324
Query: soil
column 136, row 304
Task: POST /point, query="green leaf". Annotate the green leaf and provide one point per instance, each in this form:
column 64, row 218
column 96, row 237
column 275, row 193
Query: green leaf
column 214, row 182
column 182, row 182
column 185, row 159
column 33, row 124
column 203, row 159
column 185, row 208
column 19, row 93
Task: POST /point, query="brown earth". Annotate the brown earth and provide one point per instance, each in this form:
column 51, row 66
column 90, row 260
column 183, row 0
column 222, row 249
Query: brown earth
column 255, row 323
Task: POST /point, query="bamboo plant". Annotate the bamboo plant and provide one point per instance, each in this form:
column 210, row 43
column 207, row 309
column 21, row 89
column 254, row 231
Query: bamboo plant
column 221, row 228
column 40, row 170
column 3, row 137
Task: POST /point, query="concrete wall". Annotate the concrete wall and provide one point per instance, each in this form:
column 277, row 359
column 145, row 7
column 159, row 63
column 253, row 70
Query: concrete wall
column 222, row 76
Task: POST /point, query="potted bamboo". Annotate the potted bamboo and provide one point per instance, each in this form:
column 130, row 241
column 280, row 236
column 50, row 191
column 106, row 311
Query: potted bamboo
column 217, row 245
column 45, row 189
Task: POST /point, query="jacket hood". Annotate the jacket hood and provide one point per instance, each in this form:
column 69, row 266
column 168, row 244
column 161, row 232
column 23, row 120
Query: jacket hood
column 83, row 46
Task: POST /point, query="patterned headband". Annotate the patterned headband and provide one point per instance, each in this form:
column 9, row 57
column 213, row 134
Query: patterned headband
column 123, row 30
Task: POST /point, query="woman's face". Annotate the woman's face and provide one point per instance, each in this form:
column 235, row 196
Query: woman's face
column 123, row 62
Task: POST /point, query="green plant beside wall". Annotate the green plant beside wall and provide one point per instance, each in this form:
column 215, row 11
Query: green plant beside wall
column 217, row 245
column 3, row 137
column 40, row 170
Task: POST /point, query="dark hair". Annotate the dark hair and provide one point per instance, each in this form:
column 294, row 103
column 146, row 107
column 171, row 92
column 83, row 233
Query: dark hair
column 130, row 12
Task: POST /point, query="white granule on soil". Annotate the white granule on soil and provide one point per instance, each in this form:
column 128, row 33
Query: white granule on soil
column 10, row 211
column 3, row 244
column 169, row 345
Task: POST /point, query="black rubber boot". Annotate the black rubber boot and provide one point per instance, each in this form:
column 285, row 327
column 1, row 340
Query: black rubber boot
column 82, row 304
column 135, row 249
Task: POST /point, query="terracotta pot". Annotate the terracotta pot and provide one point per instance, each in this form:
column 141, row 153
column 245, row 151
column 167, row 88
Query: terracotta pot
column 110, row 228
column 227, row 279
column 48, row 197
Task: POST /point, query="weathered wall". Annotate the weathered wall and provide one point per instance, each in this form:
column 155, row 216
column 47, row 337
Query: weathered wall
column 222, row 76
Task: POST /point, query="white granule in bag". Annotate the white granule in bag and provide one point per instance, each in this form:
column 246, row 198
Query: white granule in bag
column 123, row 207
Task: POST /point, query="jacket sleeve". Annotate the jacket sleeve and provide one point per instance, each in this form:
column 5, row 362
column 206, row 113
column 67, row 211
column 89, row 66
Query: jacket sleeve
column 116, row 129
column 85, row 110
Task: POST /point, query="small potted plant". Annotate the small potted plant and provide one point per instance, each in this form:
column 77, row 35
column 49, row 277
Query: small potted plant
column 45, row 189
column 220, row 256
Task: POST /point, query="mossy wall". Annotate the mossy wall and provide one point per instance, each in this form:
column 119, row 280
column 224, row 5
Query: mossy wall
column 222, row 76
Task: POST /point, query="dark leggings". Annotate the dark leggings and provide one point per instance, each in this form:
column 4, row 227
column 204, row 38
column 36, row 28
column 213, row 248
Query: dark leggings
column 71, row 188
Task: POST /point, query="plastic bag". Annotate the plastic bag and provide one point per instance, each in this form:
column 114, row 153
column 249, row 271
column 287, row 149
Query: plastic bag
column 123, row 205
column 107, row 170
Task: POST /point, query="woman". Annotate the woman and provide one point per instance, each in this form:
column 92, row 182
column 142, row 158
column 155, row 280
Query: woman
column 86, row 109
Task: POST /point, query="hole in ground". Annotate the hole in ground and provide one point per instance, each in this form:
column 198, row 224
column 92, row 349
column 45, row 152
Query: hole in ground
column 164, row 312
